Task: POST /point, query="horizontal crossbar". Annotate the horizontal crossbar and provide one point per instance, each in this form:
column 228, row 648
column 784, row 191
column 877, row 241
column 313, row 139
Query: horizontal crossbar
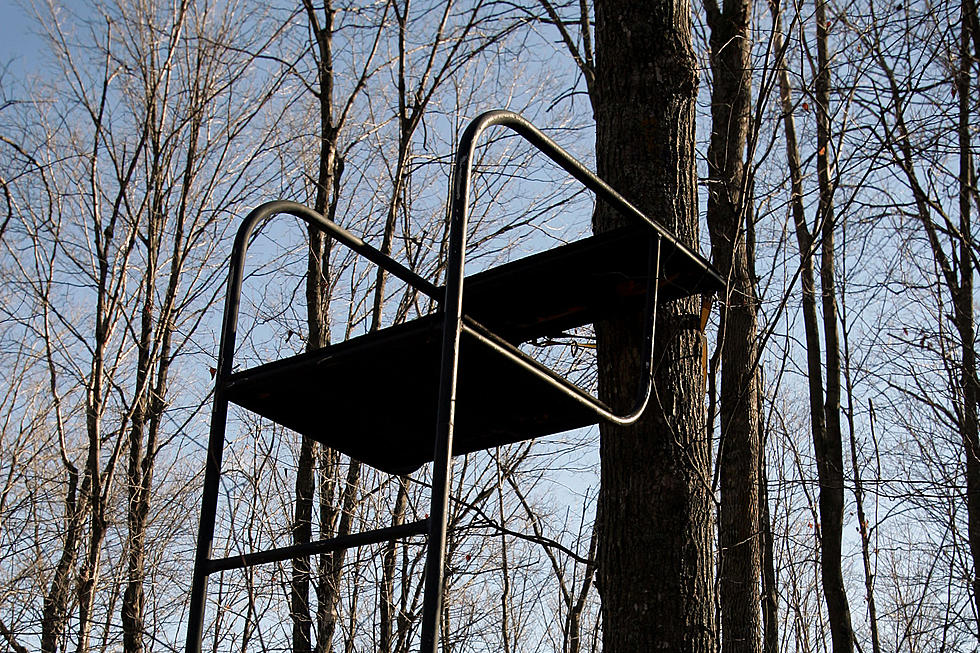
column 320, row 546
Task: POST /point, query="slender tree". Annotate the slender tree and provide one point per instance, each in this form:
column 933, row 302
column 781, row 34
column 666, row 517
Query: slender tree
column 728, row 212
column 337, row 487
column 824, row 399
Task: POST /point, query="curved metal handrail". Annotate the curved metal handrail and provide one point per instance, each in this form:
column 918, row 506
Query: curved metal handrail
column 236, row 271
column 459, row 210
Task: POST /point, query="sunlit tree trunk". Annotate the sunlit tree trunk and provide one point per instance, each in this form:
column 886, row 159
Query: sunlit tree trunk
column 655, row 519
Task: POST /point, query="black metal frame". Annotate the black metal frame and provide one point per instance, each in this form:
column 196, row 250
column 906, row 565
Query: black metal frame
column 455, row 323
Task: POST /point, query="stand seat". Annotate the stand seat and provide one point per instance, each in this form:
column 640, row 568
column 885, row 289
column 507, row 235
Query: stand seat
column 374, row 397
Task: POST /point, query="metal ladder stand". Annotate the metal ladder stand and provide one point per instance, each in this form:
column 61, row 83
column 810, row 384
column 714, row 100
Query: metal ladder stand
column 504, row 395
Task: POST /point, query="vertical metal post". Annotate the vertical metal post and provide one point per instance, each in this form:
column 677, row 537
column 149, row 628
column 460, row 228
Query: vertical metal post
column 216, row 437
column 452, row 307
column 205, row 533
column 441, row 471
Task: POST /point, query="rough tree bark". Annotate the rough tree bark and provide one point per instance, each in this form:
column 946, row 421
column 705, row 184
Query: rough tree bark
column 738, row 515
column 654, row 551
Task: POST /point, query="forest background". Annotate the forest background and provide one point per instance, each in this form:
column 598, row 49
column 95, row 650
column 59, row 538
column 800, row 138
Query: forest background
column 138, row 133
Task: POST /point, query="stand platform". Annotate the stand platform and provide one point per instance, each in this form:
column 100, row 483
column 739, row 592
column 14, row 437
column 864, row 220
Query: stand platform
column 374, row 397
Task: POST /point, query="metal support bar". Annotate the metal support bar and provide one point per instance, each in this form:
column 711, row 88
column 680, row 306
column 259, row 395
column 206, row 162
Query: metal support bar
column 209, row 506
column 601, row 410
column 320, row 546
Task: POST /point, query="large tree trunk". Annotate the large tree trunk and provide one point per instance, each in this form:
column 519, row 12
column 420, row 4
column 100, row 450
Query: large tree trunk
column 738, row 532
column 654, row 552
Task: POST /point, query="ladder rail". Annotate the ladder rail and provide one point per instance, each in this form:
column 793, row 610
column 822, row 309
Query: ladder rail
column 203, row 564
column 375, row 536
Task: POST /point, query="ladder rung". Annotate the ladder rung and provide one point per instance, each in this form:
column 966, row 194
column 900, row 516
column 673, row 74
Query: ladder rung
column 320, row 546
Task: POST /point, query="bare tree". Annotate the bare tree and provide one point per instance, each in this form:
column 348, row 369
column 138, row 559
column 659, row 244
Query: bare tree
column 131, row 231
column 728, row 212
column 911, row 144
column 824, row 404
column 332, row 119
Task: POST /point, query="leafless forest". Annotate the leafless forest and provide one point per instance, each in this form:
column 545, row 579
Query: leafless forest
column 836, row 190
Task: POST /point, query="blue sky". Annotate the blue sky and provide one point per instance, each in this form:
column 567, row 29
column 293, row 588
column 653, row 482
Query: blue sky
column 17, row 33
